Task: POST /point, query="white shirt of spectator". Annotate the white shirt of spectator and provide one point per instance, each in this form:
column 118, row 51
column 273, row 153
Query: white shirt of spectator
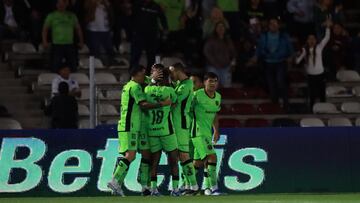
column 9, row 17
column 316, row 68
column 304, row 6
column 73, row 84
column 101, row 21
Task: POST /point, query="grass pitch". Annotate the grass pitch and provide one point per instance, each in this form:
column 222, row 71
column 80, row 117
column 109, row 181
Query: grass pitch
column 278, row 198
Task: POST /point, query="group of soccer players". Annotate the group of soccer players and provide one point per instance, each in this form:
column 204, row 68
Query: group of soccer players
column 168, row 112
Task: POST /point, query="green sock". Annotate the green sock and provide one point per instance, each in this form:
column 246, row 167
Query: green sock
column 189, row 172
column 184, row 179
column 144, row 172
column 212, row 174
column 121, row 170
column 206, row 181
column 175, row 182
column 153, row 183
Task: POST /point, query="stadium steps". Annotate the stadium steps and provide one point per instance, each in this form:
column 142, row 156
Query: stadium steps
column 23, row 107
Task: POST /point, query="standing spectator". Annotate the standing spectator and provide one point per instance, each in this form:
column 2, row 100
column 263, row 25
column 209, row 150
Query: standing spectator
column 99, row 21
column 62, row 24
column 312, row 53
column 303, row 17
column 122, row 18
column 209, row 24
column 232, row 15
column 206, row 7
column 219, row 52
column 173, row 9
column 13, row 16
column 324, row 11
column 254, row 11
column 64, row 76
column 274, row 49
column 146, row 14
column 63, row 109
column 356, row 48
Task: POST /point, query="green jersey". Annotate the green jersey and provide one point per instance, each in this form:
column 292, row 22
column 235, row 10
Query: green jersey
column 159, row 119
column 205, row 109
column 130, row 112
column 62, row 25
column 181, row 113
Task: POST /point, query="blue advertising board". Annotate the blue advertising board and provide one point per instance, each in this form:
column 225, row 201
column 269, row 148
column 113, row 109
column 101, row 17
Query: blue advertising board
column 266, row 160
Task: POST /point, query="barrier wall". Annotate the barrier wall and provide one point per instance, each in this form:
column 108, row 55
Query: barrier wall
column 269, row 160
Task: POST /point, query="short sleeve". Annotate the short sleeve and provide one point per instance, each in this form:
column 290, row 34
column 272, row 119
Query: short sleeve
column 182, row 92
column 138, row 94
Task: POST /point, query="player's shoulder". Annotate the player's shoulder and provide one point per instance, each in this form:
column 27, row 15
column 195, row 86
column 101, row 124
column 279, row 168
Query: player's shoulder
column 217, row 95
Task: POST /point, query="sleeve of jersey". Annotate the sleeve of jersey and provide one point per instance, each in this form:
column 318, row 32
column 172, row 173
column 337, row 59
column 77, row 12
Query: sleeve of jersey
column 219, row 106
column 138, row 94
column 182, row 93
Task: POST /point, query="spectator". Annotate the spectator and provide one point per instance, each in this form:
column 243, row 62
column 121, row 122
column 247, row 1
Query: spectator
column 303, row 17
column 232, row 15
column 324, row 11
column 209, row 24
column 173, row 9
column 206, row 7
column 122, row 15
column 99, row 23
column 62, row 24
column 13, row 18
column 64, row 76
column 312, row 54
column 254, row 12
column 219, row 52
column 356, row 48
column 274, row 49
column 338, row 49
column 197, row 80
column 146, row 14
column 63, row 109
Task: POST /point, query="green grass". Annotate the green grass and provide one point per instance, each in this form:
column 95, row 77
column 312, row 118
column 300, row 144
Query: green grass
column 278, row 198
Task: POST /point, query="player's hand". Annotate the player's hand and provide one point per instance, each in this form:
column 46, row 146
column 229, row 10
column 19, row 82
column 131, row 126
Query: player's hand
column 216, row 137
column 167, row 102
column 156, row 74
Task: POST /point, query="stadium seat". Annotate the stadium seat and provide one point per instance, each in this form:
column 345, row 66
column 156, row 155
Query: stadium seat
column 123, row 63
column 84, row 124
column 348, row 76
column 83, row 110
column 169, row 61
column 84, row 50
column 42, row 49
column 105, row 79
column 339, row 122
column 9, row 124
column 270, row 108
column 225, row 110
column 112, row 122
column 232, row 93
column 124, row 78
column 244, row 109
column 125, row 48
column 107, row 110
column 229, row 123
column 256, row 123
column 325, row 108
column 356, row 91
column 350, row 107
column 81, row 78
column 337, row 91
column 357, row 122
column 311, row 122
column 46, row 78
column 113, row 94
column 284, row 122
column 85, row 94
column 23, row 48
column 85, row 63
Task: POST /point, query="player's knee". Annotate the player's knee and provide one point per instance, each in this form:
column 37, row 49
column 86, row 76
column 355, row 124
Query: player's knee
column 130, row 156
column 184, row 156
column 212, row 158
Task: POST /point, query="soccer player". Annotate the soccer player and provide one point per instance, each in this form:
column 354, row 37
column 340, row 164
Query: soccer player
column 182, row 122
column 133, row 100
column 161, row 132
column 197, row 80
column 206, row 104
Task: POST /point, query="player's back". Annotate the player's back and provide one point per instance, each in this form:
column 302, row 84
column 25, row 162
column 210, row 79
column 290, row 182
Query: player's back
column 159, row 119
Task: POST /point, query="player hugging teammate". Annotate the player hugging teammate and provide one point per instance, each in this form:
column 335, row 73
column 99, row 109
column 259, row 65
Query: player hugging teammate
column 169, row 116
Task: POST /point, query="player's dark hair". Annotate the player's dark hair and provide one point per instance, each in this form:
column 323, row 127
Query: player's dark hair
column 179, row 66
column 210, row 75
column 134, row 71
column 198, row 75
column 158, row 66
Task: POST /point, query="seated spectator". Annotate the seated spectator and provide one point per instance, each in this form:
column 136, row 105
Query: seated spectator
column 274, row 50
column 302, row 17
column 312, row 54
column 63, row 109
column 99, row 23
column 13, row 18
column 209, row 24
column 64, row 76
column 254, row 12
column 220, row 53
column 62, row 24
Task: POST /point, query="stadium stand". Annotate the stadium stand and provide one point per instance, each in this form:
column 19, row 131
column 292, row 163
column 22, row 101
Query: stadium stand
column 10, row 124
column 339, row 122
column 312, row 122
